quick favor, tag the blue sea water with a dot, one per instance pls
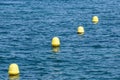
(27, 27)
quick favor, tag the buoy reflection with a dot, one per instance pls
(16, 77)
(55, 49)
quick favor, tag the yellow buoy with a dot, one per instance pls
(80, 30)
(55, 42)
(95, 19)
(13, 69)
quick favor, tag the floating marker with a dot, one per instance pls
(13, 69)
(95, 19)
(55, 42)
(80, 30)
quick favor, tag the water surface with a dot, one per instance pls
(27, 27)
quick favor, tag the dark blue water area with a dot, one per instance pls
(28, 26)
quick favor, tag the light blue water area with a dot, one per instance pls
(27, 27)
